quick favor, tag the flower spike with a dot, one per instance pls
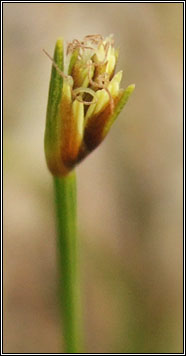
(84, 100)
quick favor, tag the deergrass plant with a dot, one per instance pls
(84, 100)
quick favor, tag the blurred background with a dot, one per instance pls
(129, 190)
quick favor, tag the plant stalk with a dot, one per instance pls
(66, 212)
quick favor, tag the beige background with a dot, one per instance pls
(129, 190)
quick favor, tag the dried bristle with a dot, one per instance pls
(84, 90)
(97, 39)
(101, 83)
(102, 80)
(56, 66)
(75, 44)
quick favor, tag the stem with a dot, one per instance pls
(65, 198)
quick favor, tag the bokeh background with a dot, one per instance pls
(129, 190)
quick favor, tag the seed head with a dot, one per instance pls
(84, 100)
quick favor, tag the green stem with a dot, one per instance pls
(65, 198)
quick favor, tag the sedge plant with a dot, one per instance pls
(84, 101)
